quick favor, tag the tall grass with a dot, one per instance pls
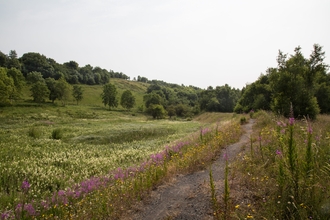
(289, 180)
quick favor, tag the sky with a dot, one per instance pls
(191, 42)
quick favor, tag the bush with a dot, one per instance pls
(57, 133)
(34, 132)
(243, 120)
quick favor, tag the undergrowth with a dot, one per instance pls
(284, 171)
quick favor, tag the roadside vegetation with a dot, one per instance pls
(284, 173)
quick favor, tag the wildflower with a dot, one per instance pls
(249, 216)
(291, 121)
(5, 215)
(30, 209)
(310, 129)
(236, 206)
(25, 186)
(278, 152)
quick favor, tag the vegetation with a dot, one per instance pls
(73, 161)
(284, 173)
(299, 82)
(57, 159)
(109, 95)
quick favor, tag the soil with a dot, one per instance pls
(189, 196)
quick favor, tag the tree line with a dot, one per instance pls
(49, 68)
(297, 87)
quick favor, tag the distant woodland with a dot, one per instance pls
(297, 86)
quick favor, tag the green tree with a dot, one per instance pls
(18, 80)
(77, 93)
(3, 59)
(12, 61)
(171, 111)
(53, 91)
(6, 86)
(127, 100)
(292, 83)
(33, 77)
(39, 91)
(152, 98)
(109, 95)
(36, 62)
(157, 111)
(63, 90)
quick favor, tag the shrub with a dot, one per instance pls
(34, 132)
(243, 120)
(57, 133)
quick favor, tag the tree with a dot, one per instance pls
(152, 98)
(171, 111)
(292, 84)
(63, 90)
(109, 95)
(6, 86)
(77, 93)
(3, 59)
(51, 85)
(36, 62)
(157, 111)
(127, 100)
(18, 80)
(39, 91)
(12, 61)
(33, 77)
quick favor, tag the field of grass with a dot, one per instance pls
(46, 150)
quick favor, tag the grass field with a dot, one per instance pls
(55, 148)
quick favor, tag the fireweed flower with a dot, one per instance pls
(25, 186)
(291, 121)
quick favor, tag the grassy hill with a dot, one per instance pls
(92, 93)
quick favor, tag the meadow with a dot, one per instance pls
(53, 158)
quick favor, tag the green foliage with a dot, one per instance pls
(109, 95)
(39, 91)
(35, 132)
(157, 111)
(63, 90)
(35, 62)
(220, 99)
(297, 81)
(127, 100)
(33, 77)
(286, 174)
(152, 99)
(77, 93)
(57, 133)
(6, 86)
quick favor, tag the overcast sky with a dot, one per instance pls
(201, 43)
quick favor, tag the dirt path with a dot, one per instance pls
(188, 196)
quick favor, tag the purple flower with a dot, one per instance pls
(5, 215)
(310, 129)
(30, 209)
(278, 152)
(291, 121)
(25, 186)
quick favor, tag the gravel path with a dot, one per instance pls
(188, 196)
